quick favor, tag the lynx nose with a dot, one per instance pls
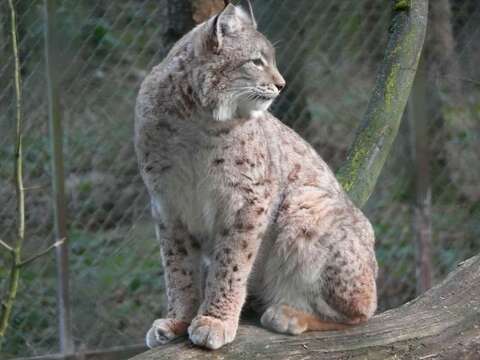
(280, 84)
(277, 79)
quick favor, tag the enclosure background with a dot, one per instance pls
(329, 52)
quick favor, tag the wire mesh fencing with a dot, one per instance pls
(329, 52)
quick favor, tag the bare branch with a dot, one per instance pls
(6, 246)
(41, 253)
(14, 277)
(35, 187)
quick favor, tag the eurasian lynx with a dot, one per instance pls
(241, 202)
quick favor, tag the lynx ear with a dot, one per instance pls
(228, 23)
(249, 7)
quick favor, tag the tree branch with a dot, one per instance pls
(366, 158)
(7, 305)
(442, 324)
(35, 187)
(6, 246)
(41, 253)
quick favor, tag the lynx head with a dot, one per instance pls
(240, 63)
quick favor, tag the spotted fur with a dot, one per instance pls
(241, 203)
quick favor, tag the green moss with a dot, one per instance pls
(402, 5)
(390, 87)
(359, 174)
(356, 161)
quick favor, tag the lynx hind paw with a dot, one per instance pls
(164, 331)
(211, 333)
(278, 318)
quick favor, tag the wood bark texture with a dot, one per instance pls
(444, 323)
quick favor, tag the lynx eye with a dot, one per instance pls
(258, 62)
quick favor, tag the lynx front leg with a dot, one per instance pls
(181, 261)
(225, 291)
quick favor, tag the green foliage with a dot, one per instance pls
(401, 5)
(131, 280)
(99, 33)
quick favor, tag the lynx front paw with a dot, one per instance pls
(283, 319)
(211, 333)
(164, 331)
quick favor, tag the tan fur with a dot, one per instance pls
(241, 203)
(286, 319)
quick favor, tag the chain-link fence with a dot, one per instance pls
(329, 52)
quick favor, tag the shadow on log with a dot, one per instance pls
(444, 323)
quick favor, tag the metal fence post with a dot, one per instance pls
(58, 182)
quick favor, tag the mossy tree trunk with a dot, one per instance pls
(380, 125)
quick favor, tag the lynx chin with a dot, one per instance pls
(241, 203)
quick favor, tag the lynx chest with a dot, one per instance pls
(209, 177)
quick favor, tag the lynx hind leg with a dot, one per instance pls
(288, 320)
(327, 245)
(350, 289)
(346, 301)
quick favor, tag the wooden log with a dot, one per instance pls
(444, 323)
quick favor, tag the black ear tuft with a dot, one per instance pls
(219, 27)
(216, 35)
